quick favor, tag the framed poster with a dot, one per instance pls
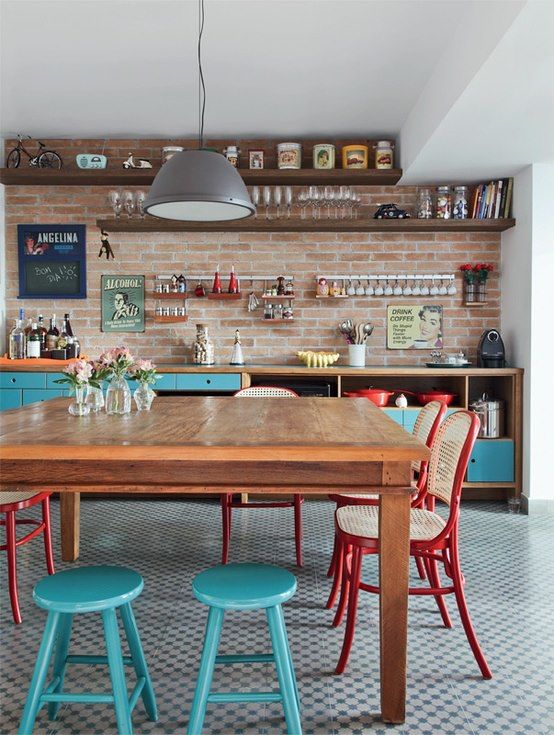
(52, 261)
(122, 300)
(414, 327)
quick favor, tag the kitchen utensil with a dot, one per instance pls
(378, 396)
(491, 415)
(368, 330)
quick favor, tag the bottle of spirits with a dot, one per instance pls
(42, 329)
(33, 341)
(52, 334)
(63, 339)
(28, 328)
(68, 325)
(17, 346)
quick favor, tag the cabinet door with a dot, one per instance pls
(492, 460)
(33, 396)
(22, 380)
(9, 398)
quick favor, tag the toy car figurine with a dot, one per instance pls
(390, 211)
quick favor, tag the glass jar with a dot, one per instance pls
(444, 203)
(288, 312)
(95, 399)
(118, 396)
(203, 349)
(289, 155)
(424, 204)
(232, 153)
(79, 407)
(268, 311)
(143, 396)
(460, 209)
(383, 154)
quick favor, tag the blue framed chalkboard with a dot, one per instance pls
(52, 261)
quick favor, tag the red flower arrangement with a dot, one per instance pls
(476, 272)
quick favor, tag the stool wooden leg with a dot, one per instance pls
(60, 664)
(39, 674)
(139, 661)
(284, 670)
(206, 670)
(12, 565)
(117, 673)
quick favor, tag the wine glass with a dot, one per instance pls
(278, 198)
(288, 200)
(267, 200)
(140, 196)
(256, 198)
(115, 202)
(128, 202)
(302, 201)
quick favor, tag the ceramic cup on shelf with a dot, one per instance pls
(356, 355)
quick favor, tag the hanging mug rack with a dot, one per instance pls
(414, 284)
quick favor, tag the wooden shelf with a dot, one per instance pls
(277, 298)
(253, 224)
(144, 177)
(171, 295)
(169, 319)
(277, 320)
(223, 296)
(341, 296)
(471, 304)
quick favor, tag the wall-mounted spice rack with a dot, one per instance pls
(164, 319)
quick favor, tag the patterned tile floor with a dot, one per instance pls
(508, 561)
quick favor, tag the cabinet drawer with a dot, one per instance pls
(492, 460)
(32, 396)
(207, 381)
(9, 399)
(22, 380)
(166, 382)
(51, 381)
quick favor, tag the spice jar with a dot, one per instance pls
(268, 311)
(289, 155)
(424, 204)
(288, 312)
(460, 209)
(444, 203)
(324, 156)
(203, 348)
(383, 154)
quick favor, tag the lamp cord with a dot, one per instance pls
(201, 85)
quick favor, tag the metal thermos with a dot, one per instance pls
(491, 414)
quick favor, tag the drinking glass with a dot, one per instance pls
(140, 196)
(255, 198)
(128, 202)
(388, 289)
(356, 201)
(278, 198)
(267, 200)
(416, 290)
(302, 201)
(115, 202)
(288, 200)
(379, 290)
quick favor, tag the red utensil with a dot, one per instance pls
(431, 395)
(378, 396)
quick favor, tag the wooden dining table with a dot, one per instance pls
(312, 446)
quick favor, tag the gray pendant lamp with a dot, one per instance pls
(201, 185)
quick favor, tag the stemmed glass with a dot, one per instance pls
(278, 198)
(115, 202)
(128, 202)
(267, 200)
(140, 196)
(288, 200)
(356, 201)
(256, 198)
(303, 202)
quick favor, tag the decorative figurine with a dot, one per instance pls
(141, 163)
(322, 287)
(233, 281)
(237, 358)
(216, 288)
(199, 290)
(106, 248)
(401, 401)
(232, 153)
(280, 285)
(390, 211)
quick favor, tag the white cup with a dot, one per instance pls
(356, 355)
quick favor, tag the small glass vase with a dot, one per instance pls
(482, 291)
(118, 396)
(95, 399)
(144, 395)
(79, 407)
(470, 293)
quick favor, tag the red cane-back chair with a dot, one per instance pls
(432, 538)
(427, 422)
(10, 503)
(229, 502)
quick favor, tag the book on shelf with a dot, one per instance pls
(493, 200)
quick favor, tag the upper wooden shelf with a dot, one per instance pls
(144, 177)
(260, 224)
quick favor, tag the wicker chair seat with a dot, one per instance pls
(363, 520)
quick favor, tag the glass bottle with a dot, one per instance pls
(424, 204)
(203, 350)
(52, 335)
(460, 209)
(68, 325)
(17, 346)
(444, 203)
(42, 329)
(63, 339)
(33, 342)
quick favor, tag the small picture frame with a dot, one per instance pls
(256, 159)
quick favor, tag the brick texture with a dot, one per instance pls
(298, 254)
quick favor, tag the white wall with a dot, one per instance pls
(3, 346)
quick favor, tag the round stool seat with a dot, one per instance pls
(244, 586)
(88, 589)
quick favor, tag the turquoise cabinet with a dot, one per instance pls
(33, 396)
(10, 398)
(22, 380)
(396, 414)
(228, 382)
(492, 460)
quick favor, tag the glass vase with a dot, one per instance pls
(118, 396)
(482, 291)
(95, 399)
(144, 395)
(79, 407)
(470, 293)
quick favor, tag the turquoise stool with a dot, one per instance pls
(84, 590)
(246, 587)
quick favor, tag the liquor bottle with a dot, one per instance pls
(33, 341)
(63, 339)
(216, 288)
(28, 328)
(17, 346)
(42, 329)
(68, 325)
(233, 281)
(52, 334)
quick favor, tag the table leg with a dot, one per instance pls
(394, 531)
(70, 517)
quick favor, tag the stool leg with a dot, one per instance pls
(225, 527)
(39, 674)
(298, 529)
(139, 661)
(284, 670)
(60, 656)
(12, 565)
(117, 674)
(293, 673)
(206, 670)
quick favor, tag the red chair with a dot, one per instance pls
(432, 538)
(228, 503)
(11, 503)
(428, 421)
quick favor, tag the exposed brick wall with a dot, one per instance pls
(299, 254)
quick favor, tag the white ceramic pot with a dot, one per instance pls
(356, 355)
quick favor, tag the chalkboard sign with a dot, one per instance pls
(52, 261)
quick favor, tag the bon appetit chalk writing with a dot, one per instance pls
(55, 274)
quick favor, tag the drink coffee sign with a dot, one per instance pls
(52, 261)
(122, 299)
(414, 327)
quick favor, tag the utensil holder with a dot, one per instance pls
(356, 355)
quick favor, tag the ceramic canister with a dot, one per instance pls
(289, 155)
(324, 155)
(354, 156)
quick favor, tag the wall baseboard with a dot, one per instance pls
(537, 506)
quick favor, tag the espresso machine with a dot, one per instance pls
(491, 352)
